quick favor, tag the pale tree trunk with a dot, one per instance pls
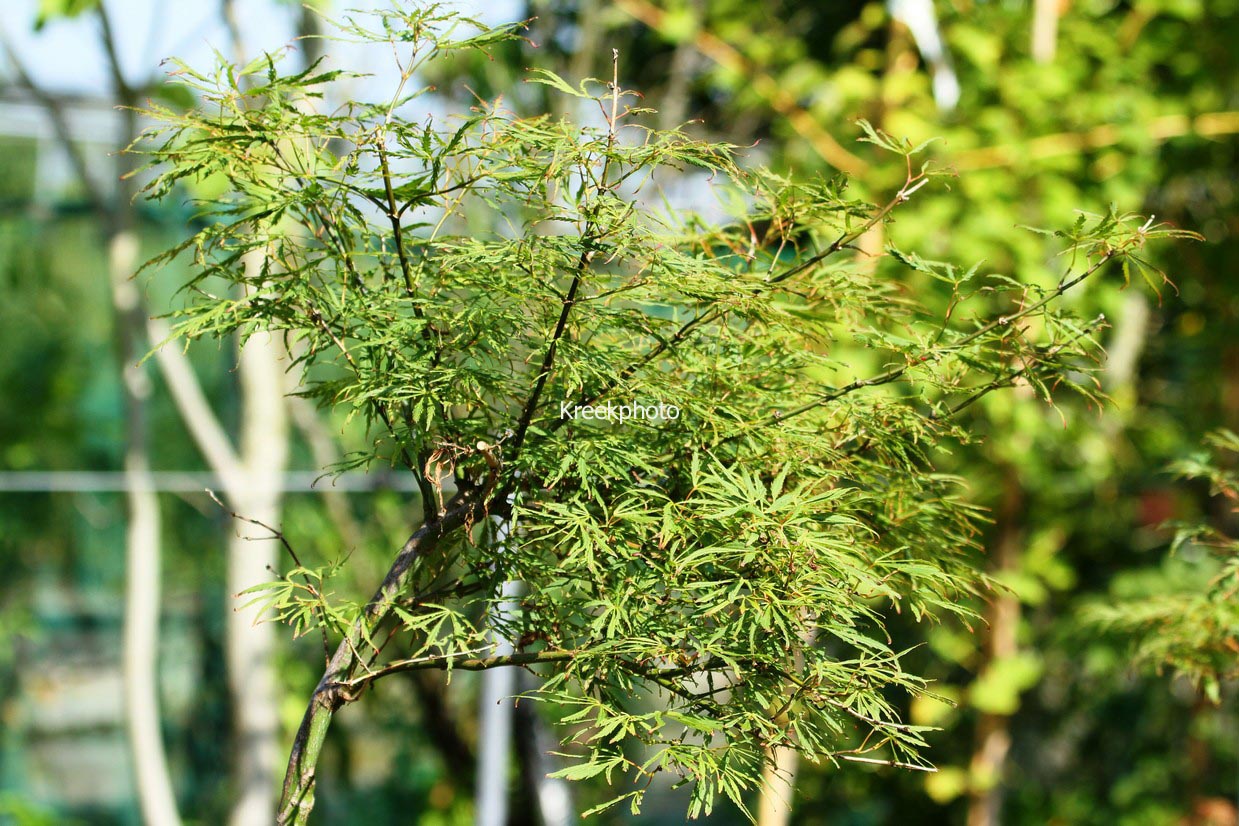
(252, 483)
(1125, 347)
(251, 561)
(1045, 29)
(252, 558)
(495, 714)
(494, 743)
(778, 776)
(551, 796)
(778, 788)
(140, 656)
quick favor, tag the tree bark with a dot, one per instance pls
(251, 561)
(778, 788)
(1045, 29)
(333, 690)
(140, 657)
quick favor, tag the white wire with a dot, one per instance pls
(182, 481)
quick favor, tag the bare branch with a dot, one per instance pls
(464, 661)
(191, 402)
(892, 763)
(276, 533)
(60, 125)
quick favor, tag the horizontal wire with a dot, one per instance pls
(179, 481)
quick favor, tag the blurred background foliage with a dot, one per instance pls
(1046, 716)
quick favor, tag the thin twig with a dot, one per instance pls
(463, 660)
(275, 533)
(893, 763)
(846, 238)
(896, 373)
(278, 534)
(587, 254)
(60, 125)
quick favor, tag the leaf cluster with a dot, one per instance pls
(1193, 633)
